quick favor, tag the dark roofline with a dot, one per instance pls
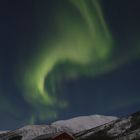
(51, 136)
(63, 132)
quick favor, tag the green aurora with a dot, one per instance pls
(80, 44)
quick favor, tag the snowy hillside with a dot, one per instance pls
(72, 126)
(95, 127)
(82, 123)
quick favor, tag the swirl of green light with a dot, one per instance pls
(84, 41)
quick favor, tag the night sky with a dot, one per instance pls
(66, 58)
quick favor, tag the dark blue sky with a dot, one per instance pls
(116, 92)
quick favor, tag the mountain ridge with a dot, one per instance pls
(126, 128)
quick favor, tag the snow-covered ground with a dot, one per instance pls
(78, 124)
(72, 126)
(83, 127)
(2, 132)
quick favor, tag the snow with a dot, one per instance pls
(72, 126)
(82, 123)
(2, 132)
(32, 131)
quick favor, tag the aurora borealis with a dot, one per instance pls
(51, 44)
(76, 44)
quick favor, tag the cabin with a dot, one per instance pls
(58, 136)
(63, 136)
